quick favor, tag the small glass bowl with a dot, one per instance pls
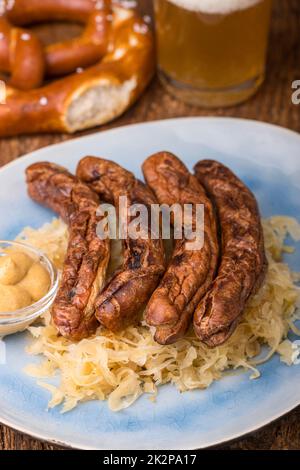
(19, 320)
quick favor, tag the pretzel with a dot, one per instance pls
(21, 53)
(66, 56)
(116, 46)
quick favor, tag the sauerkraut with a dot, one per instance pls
(121, 367)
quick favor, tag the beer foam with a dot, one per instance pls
(222, 7)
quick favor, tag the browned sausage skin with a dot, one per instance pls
(87, 256)
(190, 272)
(119, 304)
(243, 261)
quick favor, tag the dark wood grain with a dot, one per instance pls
(271, 104)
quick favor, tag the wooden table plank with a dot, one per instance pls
(272, 104)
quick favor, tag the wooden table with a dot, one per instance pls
(271, 104)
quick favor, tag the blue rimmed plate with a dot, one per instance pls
(267, 158)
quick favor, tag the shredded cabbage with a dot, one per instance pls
(120, 367)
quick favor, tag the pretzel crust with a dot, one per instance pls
(92, 97)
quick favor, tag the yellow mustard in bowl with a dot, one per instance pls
(28, 285)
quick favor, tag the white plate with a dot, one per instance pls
(267, 159)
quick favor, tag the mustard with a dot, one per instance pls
(23, 280)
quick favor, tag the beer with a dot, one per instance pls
(212, 52)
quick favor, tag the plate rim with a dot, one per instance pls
(234, 435)
(255, 122)
(76, 446)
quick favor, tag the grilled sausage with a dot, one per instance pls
(87, 256)
(129, 289)
(190, 272)
(243, 261)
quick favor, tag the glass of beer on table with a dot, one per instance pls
(212, 52)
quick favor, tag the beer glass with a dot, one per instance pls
(212, 52)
